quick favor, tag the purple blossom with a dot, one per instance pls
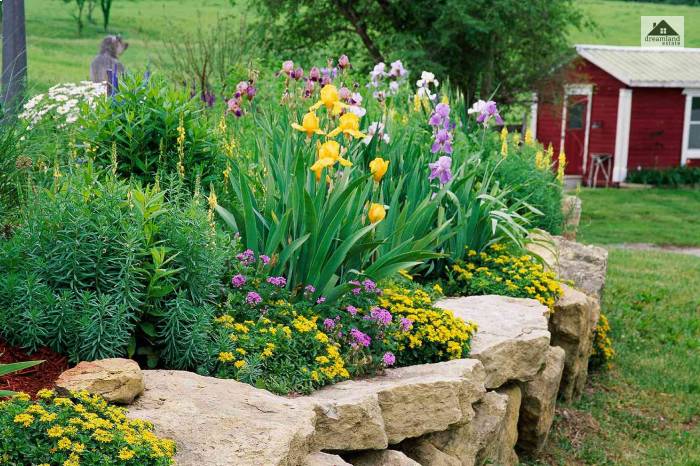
(277, 281)
(397, 69)
(298, 73)
(442, 169)
(265, 259)
(356, 291)
(443, 142)
(288, 67)
(381, 316)
(238, 280)
(360, 338)
(369, 285)
(344, 62)
(309, 88)
(352, 310)
(253, 298)
(406, 324)
(315, 74)
(440, 116)
(345, 94)
(329, 324)
(389, 359)
(321, 300)
(486, 111)
(247, 257)
(310, 289)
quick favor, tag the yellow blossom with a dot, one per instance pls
(561, 166)
(528, 137)
(226, 356)
(126, 454)
(309, 125)
(330, 99)
(64, 443)
(24, 419)
(376, 212)
(240, 363)
(378, 168)
(349, 125)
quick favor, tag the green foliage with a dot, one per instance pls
(150, 127)
(14, 367)
(603, 351)
(98, 268)
(499, 272)
(480, 45)
(80, 430)
(666, 177)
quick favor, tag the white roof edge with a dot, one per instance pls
(596, 62)
(670, 84)
(635, 48)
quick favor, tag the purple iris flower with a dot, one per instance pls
(441, 116)
(315, 74)
(486, 111)
(442, 169)
(443, 142)
(344, 62)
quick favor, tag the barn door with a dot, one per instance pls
(575, 133)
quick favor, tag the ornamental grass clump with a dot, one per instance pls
(78, 430)
(497, 271)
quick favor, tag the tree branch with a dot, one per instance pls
(358, 24)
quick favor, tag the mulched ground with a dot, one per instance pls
(34, 378)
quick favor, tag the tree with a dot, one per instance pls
(106, 6)
(78, 13)
(480, 44)
(14, 55)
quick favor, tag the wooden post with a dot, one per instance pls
(14, 55)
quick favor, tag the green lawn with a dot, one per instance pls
(646, 409)
(617, 23)
(58, 54)
(659, 216)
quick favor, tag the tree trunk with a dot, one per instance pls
(359, 25)
(14, 55)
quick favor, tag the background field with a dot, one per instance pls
(58, 54)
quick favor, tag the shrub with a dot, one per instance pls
(76, 430)
(670, 177)
(498, 272)
(99, 268)
(150, 127)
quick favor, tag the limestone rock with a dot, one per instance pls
(512, 337)
(324, 459)
(503, 451)
(572, 325)
(218, 422)
(586, 266)
(425, 453)
(382, 458)
(117, 380)
(538, 403)
(404, 402)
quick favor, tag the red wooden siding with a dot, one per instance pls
(656, 128)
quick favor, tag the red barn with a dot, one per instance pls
(624, 108)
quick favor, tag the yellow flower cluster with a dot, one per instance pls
(602, 351)
(498, 272)
(434, 334)
(81, 429)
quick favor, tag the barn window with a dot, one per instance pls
(694, 124)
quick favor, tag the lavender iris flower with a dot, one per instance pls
(442, 169)
(443, 142)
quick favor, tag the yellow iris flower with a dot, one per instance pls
(309, 125)
(349, 125)
(331, 99)
(376, 212)
(378, 168)
(328, 155)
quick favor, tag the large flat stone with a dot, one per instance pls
(117, 380)
(402, 403)
(218, 422)
(512, 337)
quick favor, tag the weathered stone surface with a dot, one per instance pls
(503, 449)
(117, 380)
(425, 453)
(571, 208)
(404, 402)
(512, 337)
(538, 403)
(382, 458)
(324, 459)
(584, 265)
(218, 422)
(572, 325)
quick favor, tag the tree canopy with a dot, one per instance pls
(480, 44)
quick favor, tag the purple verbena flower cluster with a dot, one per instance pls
(253, 298)
(359, 338)
(406, 324)
(277, 281)
(238, 281)
(389, 359)
(381, 316)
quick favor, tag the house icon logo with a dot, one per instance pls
(662, 31)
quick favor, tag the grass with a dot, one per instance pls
(618, 23)
(658, 216)
(58, 54)
(645, 410)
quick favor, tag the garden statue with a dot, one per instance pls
(110, 50)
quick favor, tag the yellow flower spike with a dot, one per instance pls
(376, 213)
(504, 147)
(349, 125)
(504, 134)
(378, 168)
(539, 160)
(416, 103)
(561, 166)
(528, 137)
(309, 125)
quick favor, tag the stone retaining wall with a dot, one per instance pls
(464, 412)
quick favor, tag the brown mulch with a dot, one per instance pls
(34, 378)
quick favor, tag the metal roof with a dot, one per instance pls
(646, 66)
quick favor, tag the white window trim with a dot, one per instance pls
(578, 89)
(687, 153)
(622, 135)
(533, 115)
